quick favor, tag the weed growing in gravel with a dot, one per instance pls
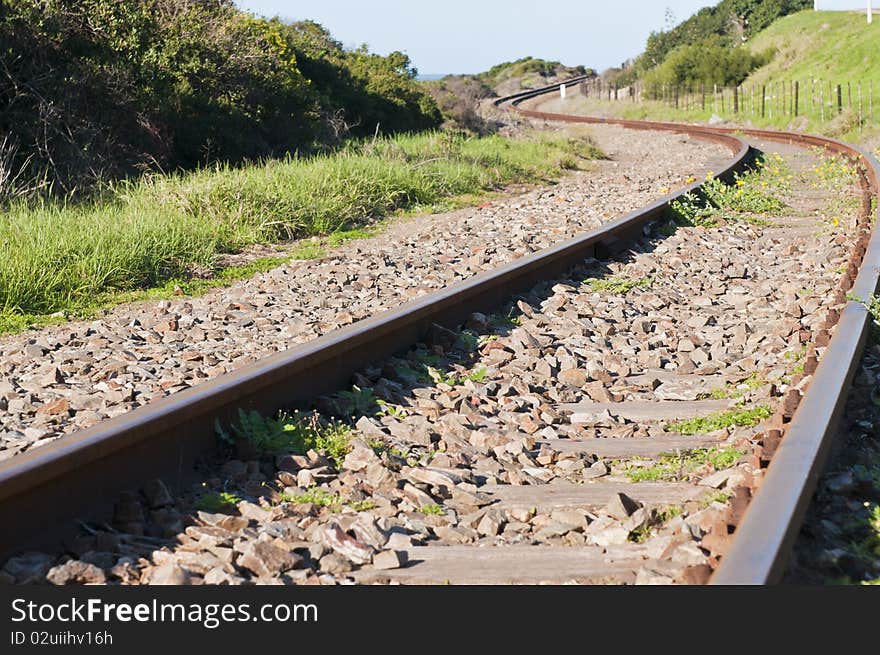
(216, 502)
(734, 417)
(389, 409)
(719, 496)
(751, 198)
(505, 321)
(618, 285)
(294, 434)
(862, 534)
(679, 466)
(835, 174)
(357, 402)
(754, 381)
(454, 378)
(432, 510)
(872, 304)
(658, 518)
(323, 498)
(470, 341)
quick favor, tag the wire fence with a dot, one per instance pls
(817, 99)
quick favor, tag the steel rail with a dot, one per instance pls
(759, 552)
(80, 475)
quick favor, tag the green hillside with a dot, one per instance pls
(834, 45)
(810, 52)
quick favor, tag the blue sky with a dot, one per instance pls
(469, 36)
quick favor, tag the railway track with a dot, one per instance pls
(506, 432)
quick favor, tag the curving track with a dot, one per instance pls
(767, 531)
(81, 476)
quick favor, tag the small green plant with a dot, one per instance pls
(314, 496)
(477, 375)
(617, 285)
(872, 304)
(285, 433)
(719, 496)
(389, 409)
(678, 466)
(658, 518)
(332, 501)
(751, 198)
(217, 501)
(692, 211)
(432, 510)
(439, 377)
(357, 402)
(734, 417)
(469, 340)
(754, 381)
(362, 505)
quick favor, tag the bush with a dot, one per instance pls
(708, 62)
(97, 89)
(459, 97)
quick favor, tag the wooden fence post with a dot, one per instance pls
(860, 105)
(839, 99)
(763, 100)
(796, 97)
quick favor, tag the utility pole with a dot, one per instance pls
(870, 13)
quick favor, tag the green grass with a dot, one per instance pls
(619, 285)
(834, 45)
(734, 417)
(11, 322)
(145, 234)
(678, 466)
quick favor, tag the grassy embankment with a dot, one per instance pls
(142, 239)
(810, 47)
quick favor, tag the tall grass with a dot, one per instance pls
(57, 257)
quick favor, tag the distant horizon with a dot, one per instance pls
(469, 37)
